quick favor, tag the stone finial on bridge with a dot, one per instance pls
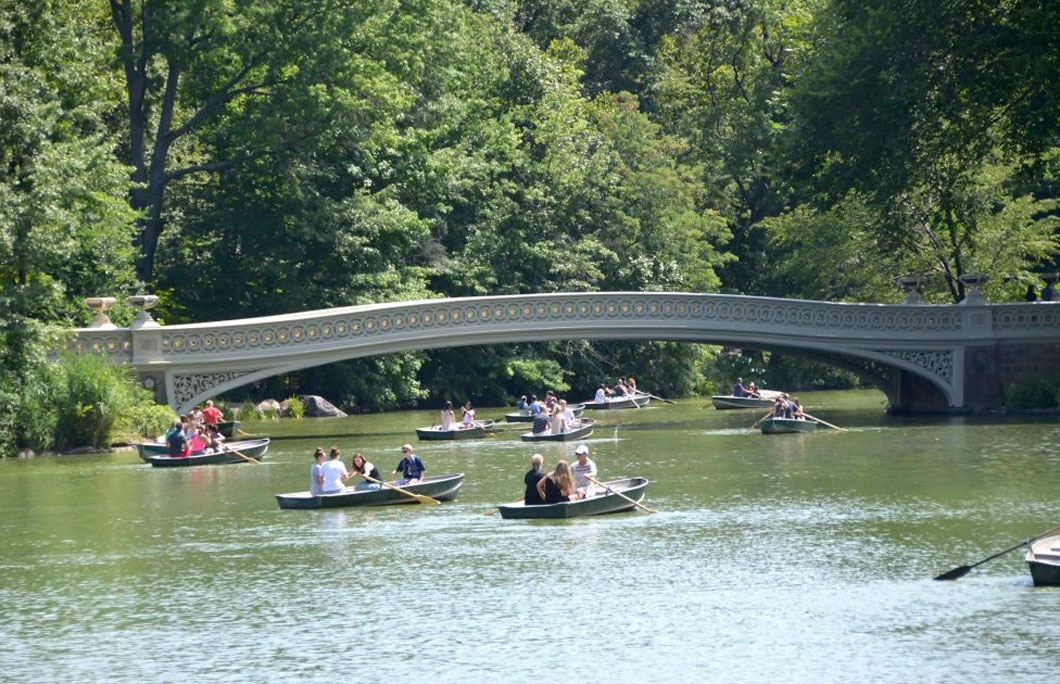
(1049, 293)
(143, 303)
(912, 285)
(973, 281)
(99, 305)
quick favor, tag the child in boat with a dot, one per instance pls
(366, 470)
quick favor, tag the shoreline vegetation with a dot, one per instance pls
(345, 153)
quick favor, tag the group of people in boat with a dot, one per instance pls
(566, 482)
(328, 474)
(551, 416)
(788, 407)
(624, 386)
(196, 432)
(750, 391)
(447, 420)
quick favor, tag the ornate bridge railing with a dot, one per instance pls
(189, 363)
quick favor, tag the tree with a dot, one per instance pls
(65, 229)
(191, 67)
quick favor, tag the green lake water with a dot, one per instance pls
(784, 558)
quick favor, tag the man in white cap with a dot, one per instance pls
(410, 466)
(583, 469)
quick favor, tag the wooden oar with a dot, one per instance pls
(495, 509)
(635, 503)
(963, 570)
(241, 455)
(824, 422)
(419, 497)
(655, 396)
(755, 424)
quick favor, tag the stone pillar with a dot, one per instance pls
(147, 346)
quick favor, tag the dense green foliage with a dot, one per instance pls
(245, 158)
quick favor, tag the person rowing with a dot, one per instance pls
(469, 416)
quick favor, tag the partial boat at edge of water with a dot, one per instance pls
(1043, 560)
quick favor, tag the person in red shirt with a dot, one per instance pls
(211, 415)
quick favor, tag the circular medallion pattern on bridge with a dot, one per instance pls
(592, 308)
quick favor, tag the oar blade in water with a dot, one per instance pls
(956, 573)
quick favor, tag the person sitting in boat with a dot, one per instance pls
(335, 473)
(631, 385)
(448, 417)
(752, 390)
(536, 406)
(557, 423)
(796, 409)
(568, 413)
(621, 389)
(778, 407)
(531, 497)
(524, 406)
(469, 416)
(601, 394)
(558, 486)
(738, 388)
(316, 473)
(410, 466)
(540, 423)
(583, 469)
(213, 440)
(211, 415)
(550, 399)
(176, 440)
(367, 471)
(197, 443)
(195, 416)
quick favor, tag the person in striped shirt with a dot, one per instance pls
(583, 469)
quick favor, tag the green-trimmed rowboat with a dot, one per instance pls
(728, 401)
(608, 502)
(147, 449)
(517, 417)
(228, 428)
(254, 448)
(441, 487)
(1043, 560)
(435, 433)
(584, 429)
(626, 401)
(777, 426)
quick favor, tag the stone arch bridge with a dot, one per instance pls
(926, 358)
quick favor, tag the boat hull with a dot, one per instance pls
(578, 410)
(584, 430)
(228, 428)
(598, 505)
(148, 449)
(253, 448)
(778, 426)
(724, 402)
(435, 434)
(626, 402)
(1043, 560)
(440, 487)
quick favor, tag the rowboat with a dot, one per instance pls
(147, 449)
(440, 487)
(436, 433)
(776, 426)
(608, 502)
(519, 417)
(728, 401)
(584, 429)
(1043, 559)
(626, 401)
(253, 448)
(228, 428)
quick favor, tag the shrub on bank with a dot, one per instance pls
(1034, 392)
(295, 407)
